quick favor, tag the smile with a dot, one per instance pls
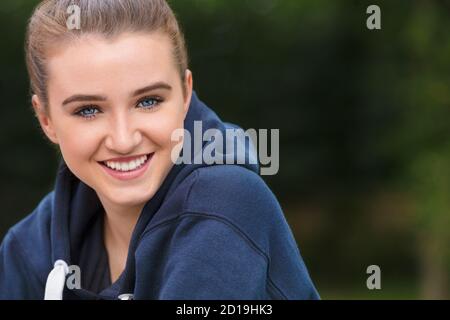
(127, 168)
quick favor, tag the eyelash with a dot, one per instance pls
(78, 113)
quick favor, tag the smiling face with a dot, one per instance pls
(116, 103)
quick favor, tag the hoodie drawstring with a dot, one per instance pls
(56, 281)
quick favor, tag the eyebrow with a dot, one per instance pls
(88, 97)
(154, 86)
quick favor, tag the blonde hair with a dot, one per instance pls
(48, 27)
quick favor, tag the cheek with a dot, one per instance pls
(77, 143)
(161, 128)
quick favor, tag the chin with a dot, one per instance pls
(130, 198)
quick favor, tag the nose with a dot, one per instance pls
(123, 136)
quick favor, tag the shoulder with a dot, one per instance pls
(25, 254)
(236, 197)
(214, 187)
(30, 237)
(240, 198)
(37, 222)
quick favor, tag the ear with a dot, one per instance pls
(44, 119)
(188, 83)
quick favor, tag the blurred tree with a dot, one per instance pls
(423, 138)
(431, 187)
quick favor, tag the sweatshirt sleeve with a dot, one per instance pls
(208, 260)
(17, 282)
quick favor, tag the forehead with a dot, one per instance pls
(95, 63)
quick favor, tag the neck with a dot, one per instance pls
(119, 223)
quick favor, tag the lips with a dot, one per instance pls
(128, 167)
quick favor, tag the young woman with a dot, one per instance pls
(123, 217)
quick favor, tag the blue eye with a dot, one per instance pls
(149, 103)
(87, 112)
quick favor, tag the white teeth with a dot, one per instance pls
(126, 166)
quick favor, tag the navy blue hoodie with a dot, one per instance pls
(210, 232)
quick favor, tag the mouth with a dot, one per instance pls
(127, 168)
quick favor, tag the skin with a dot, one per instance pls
(119, 126)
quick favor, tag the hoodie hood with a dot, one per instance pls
(76, 206)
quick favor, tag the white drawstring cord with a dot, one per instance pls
(56, 281)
